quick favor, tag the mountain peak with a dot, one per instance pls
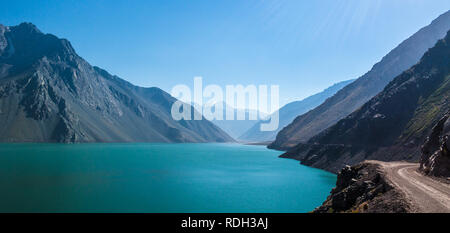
(50, 94)
(27, 27)
(27, 45)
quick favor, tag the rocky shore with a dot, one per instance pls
(364, 188)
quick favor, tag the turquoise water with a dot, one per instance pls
(156, 178)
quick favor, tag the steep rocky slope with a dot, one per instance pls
(435, 159)
(364, 88)
(288, 113)
(50, 94)
(391, 126)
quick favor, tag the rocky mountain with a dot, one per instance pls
(391, 126)
(50, 94)
(288, 113)
(435, 159)
(364, 88)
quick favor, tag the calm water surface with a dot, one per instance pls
(156, 178)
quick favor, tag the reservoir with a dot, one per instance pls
(156, 178)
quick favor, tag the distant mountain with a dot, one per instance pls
(391, 126)
(50, 94)
(235, 128)
(364, 88)
(289, 112)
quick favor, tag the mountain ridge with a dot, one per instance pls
(353, 96)
(393, 125)
(48, 93)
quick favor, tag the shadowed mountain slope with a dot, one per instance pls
(364, 88)
(391, 126)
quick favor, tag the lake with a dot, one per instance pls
(153, 177)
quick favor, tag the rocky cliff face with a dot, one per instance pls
(356, 94)
(435, 159)
(363, 188)
(391, 126)
(50, 94)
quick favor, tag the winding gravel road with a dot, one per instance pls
(426, 195)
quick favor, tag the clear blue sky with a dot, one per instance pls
(303, 46)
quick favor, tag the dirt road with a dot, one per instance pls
(426, 195)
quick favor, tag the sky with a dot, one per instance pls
(302, 46)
